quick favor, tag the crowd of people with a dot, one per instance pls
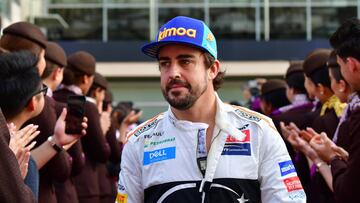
(39, 161)
(298, 143)
(315, 108)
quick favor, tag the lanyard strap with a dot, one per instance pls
(201, 154)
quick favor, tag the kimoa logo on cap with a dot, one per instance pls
(180, 31)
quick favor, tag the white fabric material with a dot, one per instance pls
(165, 131)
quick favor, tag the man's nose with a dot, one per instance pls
(174, 71)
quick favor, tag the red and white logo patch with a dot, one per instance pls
(293, 183)
(231, 139)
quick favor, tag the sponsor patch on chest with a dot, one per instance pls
(234, 146)
(159, 155)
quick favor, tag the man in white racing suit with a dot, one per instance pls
(202, 150)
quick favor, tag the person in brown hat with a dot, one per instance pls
(300, 105)
(323, 119)
(25, 36)
(72, 162)
(345, 169)
(25, 100)
(317, 77)
(58, 170)
(97, 90)
(273, 96)
(96, 94)
(78, 78)
(55, 63)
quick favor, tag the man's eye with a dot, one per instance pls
(185, 62)
(164, 64)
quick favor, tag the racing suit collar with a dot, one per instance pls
(221, 121)
(184, 124)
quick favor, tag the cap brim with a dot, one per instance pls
(152, 49)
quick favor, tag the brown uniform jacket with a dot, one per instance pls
(320, 192)
(65, 190)
(12, 186)
(95, 148)
(58, 168)
(107, 184)
(346, 176)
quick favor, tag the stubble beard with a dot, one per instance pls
(183, 101)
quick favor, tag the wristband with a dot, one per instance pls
(54, 145)
(319, 164)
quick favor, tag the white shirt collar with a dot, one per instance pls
(72, 88)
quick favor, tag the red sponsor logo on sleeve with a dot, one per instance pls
(293, 183)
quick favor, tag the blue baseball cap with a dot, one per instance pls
(183, 30)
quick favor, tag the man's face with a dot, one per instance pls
(184, 77)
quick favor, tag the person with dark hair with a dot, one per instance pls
(251, 93)
(21, 85)
(297, 95)
(338, 84)
(344, 158)
(96, 95)
(25, 36)
(56, 184)
(200, 149)
(107, 103)
(55, 57)
(78, 78)
(12, 187)
(300, 105)
(273, 97)
(323, 119)
(58, 169)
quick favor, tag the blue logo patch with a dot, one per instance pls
(237, 149)
(159, 155)
(286, 167)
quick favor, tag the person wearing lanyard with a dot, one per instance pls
(200, 149)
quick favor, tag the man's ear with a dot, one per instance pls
(354, 65)
(32, 103)
(214, 69)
